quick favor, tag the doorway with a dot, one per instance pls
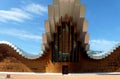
(64, 69)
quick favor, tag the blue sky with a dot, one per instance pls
(22, 23)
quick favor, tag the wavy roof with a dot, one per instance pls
(20, 51)
(101, 55)
(96, 55)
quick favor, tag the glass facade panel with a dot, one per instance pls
(64, 45)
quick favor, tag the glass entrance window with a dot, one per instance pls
(64, 45)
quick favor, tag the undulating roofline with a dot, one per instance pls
(102, 55)
(20, 51)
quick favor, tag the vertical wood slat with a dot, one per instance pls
(82, 11)
(52, 50)
(85, 26)
(47, 26)
(51, 17)
(77, 1)
(71, 7)
(57, 13)
(76, 12)
(62, 7)
(66, 8)
(76, 49)
(87, 47)
(56, 1)
(43, 47)
(72, 34)
(45, 40)
(49, 38)
(80, 24)
(50, 11)
(44, 37)
(58, 40)
(52, 25)
(86, 40)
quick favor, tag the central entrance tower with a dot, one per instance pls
(66, 32)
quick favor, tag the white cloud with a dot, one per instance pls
(15, 14)
(20, 34)
(22, 14)
(36, 8)
(102, 45)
